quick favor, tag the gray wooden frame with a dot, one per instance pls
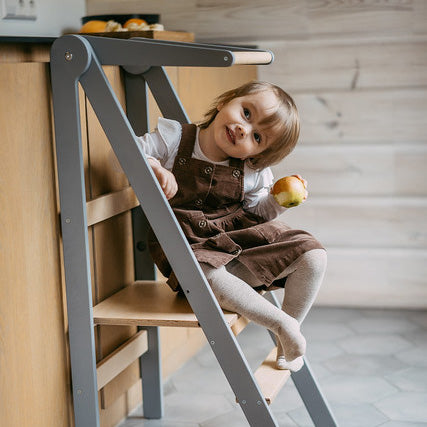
(78, 59)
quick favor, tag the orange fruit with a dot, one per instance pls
(136, 21)
(93, 27)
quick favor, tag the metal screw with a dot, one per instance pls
(225, 58)
(68, 56)
(67, 220)
(141, 246)
(258, 402)
(79, 391)
(243, 402)
(213, 342)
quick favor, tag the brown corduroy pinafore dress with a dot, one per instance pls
(208, 206)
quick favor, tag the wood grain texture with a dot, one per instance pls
(374, 116)
(109, 205)
(269, 379)
(117, 361)
(363, 221)
(235, 20)
(24, 52)
(148, 303)
(343, 65)
(34, 381)
(359, 169)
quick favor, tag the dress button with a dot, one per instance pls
(199, 202)
(208, 170)
(203, 223)
(182, 161)
(236, 173)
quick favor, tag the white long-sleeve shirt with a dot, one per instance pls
(163, 143)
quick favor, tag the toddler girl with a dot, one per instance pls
(217, 178)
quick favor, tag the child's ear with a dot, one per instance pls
(219, 106)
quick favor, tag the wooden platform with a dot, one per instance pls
(270, 379)
(149, 303)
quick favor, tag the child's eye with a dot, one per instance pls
(247, 113)
(257, 137)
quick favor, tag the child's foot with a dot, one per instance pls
(291, 339)
(295, 365)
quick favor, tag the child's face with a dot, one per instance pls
(236, 130)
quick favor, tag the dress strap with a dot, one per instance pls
(188, 139)
(237, 163)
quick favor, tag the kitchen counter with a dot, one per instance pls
(37, 49)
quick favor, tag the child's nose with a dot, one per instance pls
(241, 131)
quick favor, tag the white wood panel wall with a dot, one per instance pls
(358, 72)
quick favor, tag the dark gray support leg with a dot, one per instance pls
(165, 95)
(74, 230)
(151, 375)
(308, 388)
(150, 363)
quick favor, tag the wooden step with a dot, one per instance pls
(269, 379)
(149, 303)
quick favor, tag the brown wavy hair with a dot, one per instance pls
(285, 118)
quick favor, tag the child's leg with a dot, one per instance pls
(304, 277)
(234, 294)
(303, 280)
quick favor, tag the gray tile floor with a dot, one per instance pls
(370, 364)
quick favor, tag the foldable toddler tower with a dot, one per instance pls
(75, 59)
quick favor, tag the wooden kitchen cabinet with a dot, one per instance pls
(35, 372)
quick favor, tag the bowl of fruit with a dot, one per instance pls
(120, 23)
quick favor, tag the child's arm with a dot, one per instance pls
(258, 197)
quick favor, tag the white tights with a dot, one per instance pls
(232, 287)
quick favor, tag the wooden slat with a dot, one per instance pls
(363, 117)
(363, 221)
(363, 170)
(148, 303)
(327, 65)
(241, 58)
(109, 205)
(109, 367)
(270, 379)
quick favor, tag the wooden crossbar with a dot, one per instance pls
(246, 58)
(109, 205)
(121, 358)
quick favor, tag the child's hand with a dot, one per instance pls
(166, 178)
(305, 185)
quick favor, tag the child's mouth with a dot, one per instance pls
(230, 134)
